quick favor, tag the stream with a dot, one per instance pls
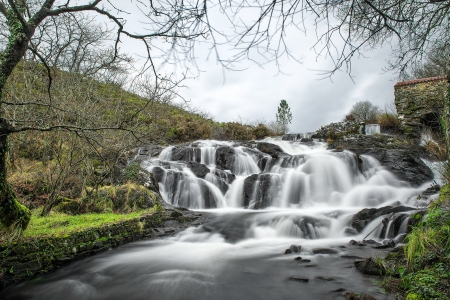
(300, 197)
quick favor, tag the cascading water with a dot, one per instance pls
(301, 179)
(300, 194)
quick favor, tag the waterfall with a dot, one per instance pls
(292, 177)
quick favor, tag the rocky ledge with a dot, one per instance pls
(399, 155)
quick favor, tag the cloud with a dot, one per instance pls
(255, 92)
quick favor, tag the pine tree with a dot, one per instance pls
(284, 116)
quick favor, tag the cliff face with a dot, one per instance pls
(420, 102)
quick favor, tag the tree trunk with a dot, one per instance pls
(12, 213)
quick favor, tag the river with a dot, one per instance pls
(305, 198)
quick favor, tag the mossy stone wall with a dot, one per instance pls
(23, 259)
(420, 102)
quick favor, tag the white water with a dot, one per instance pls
(310, 197)
(312, 193)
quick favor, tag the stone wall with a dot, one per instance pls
(420, 102)
(23, 259)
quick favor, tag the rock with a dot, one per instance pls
(324, 251)
(385, 245)
(200, 170)
(261, 193)
(300, 279)
(302, 260)
(357, 296)
(295, 249)
(271, 149)
(353, 243)
(365, 216)
(298, 258)
(333, 129)
(291, 137)
(306, 140)
(325, 278)
(351, 256)
(225, 158)
(288, 251)
(370, 266)
(399, 156)
(350, 231)
(186, 154)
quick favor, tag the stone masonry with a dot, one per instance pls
(419, 103)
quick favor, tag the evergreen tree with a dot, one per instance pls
(284, 116)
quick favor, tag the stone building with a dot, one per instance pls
(420, 102)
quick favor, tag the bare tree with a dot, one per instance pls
(41, 29)
(364, 111)
(435, 63)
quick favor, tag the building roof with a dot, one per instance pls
(421, 80)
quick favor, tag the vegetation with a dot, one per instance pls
(363, 111)
(424, 266)
(284, 116)
(60, 224)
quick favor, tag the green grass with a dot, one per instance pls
(59, 224)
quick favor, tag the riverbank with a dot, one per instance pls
(52, 243)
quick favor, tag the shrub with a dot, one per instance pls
(388, 122)
(261, 131)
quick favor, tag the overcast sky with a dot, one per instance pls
(255, 93)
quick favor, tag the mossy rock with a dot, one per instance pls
(412, 296)
(68, 206)
(125, 198)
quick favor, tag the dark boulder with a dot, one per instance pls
(399, 156)
(365, 216)
(291, 137)
(186, 154)
(225, 157)
(299, 279)
(370, 267)
(256, 187)
(271, 149)
(324, 251)
(295, 248)
(200, 170)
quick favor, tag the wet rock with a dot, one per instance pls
(306, 140)
(200, 170)
(385, 245)
(225, 176)
(288, 251)
(324, 251)
(357, 296)
(399, 156)
(303, 260)
(350, 231)
(295, 249)
(291, 137)
(225, 157)
(351, 256)
(353, 243)
(309, 266)
(365, 216)
(431, 190)
(271, 149)
(370, 266)
(257, 187)
(298, 278)
(324, 278)
(298, 258)
(186, 154)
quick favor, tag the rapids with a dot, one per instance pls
(259, 205)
